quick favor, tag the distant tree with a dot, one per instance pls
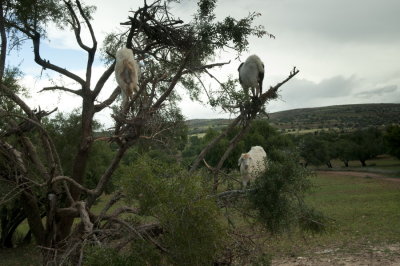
(314, 150)
(345, 149)
(368, 144)
(392, 140)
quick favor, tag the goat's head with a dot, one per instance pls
(244, 161)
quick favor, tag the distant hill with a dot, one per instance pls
(310, 119)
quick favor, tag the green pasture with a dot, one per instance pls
(363, 212)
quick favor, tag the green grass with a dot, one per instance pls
(363, 212)
(26, 255)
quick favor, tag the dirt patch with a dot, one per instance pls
(382, 255)
(361, 174)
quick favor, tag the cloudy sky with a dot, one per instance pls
(348, 51)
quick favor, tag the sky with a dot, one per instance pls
(347, 51)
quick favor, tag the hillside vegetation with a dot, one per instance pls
(351, 116)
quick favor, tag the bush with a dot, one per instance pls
(279, 194)
(193, 231)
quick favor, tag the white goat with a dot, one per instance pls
(251, 75)
(252, 164)
(126, 73)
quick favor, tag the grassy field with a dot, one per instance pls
(363, 212)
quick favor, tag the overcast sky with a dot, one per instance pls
(346, 51)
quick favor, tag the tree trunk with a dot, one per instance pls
(10, 220)
(346, 163)
(363, 163)
(80, 163)
(329, 164)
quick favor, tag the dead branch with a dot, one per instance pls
(114, 199)
(106, 176)
(71, 181)
(109, 101)
(85, 219)
(77, 92)
(102, 80)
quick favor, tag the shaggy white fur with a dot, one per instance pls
(251, 75)
(126, 73)
(252, 164)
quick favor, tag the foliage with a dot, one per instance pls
(314, 150)
(320, 148)
(38, 15)
(260, 134)
(65, 132)
(10, 78)
(141, 253)
(392, 140)
(369, 144)
(345, 149)
(179, 202)
(278, 197)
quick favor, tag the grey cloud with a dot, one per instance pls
(334, 87)
(340, 20)
(377, 92)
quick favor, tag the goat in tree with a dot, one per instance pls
(252, 164)
(126, 73)
(251, 75)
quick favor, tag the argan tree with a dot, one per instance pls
(174, 52)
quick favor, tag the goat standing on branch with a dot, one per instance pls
(127, 74)
(251, 75)
(252, 164)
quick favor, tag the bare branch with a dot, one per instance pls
(272, 92)
(102, 80)
(104, 179)
(85, 219)
(204, 67)
(3, 50)
(73, 182)
(10, 94)
(172, 84)
(109, 101)
(206, 149)
(46, 64)
(115, 198)
(77, 92)
(75, 23)
(89, 25)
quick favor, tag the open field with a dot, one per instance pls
(365, 224)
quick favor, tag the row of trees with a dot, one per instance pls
(321, 147)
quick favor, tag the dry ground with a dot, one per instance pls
(382, 255)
